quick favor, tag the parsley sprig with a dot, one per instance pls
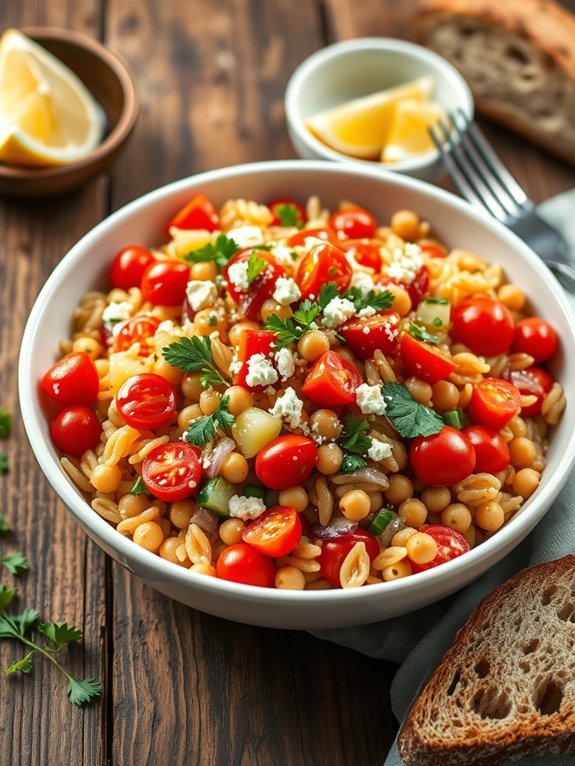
(194, 355)
(291, 329)
(255, 267)
(409, 417)
(289, 215)
(203, 430)
(420, 333)
(3, 462)
(139, 488)
(375, 300)
(355, 443)
(220, 251)
(16, 563)
(5, 424)
(4, 526)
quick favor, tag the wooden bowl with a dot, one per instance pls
(107, 78)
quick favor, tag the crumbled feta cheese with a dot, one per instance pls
(166, 326)
(116, 312)
(289, 407)
(407, 261)
(370, 400)
(337, 311)
(285, 363)
(201, 293)
(238, 275)
(286, 291)
(235, 364)
(261, 371)
(284, 255)
(246, 508)
(246, 236)
(364, 283)
(368, 311)
(378, 450)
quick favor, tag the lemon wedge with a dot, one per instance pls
(409, 132)
(47, 115)
(359, 127)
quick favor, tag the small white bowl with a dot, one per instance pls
(454, 221)
(356, 68)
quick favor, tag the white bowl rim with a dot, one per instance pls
(394, 45)
(163, 569)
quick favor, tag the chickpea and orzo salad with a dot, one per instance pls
(289, 398)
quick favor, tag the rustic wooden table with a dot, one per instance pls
(180, 687)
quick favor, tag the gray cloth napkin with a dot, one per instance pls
(419, 640)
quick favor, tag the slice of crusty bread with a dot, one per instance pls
(518, 57)
(506, 688)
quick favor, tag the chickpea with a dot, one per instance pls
(525, 482)
(295, 497)
(376, 501)
(400, 489)
(355, 504)
(405, 223)
(149, 535)
(88, 345)
(191, 386)
(204, 272)
(401, 300)
(400, 538)
(325, 423)
(235, 468)
(419, 389)
(237, 329)
(489, 516)
(290, 578)
(208, 321)
(436, 498)
(181, 513)
(106, 478)
(312, 345)
(240, 399)
(187, 414)
(413, 512)
(522, 452)
(209, 400)
(421, 548)
(272, 308)
(457, 516)
(444, 396)
(168, 549)
(231, 531)
(329, 457)
(132, 505)
(172, 374)
(396, 571)
(512, 296)
(165, 525)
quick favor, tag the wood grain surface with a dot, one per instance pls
(180, 687)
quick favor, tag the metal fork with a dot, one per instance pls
(485, 182)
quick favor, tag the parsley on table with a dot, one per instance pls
(16, 563)
(289, 215)
(410, 418)
(355, 443)
(139, 488)
(194, 355)
(4, 526)
(375, 300)
(220, 252)
(3, 463)
(5, 424)
(419, 332)
(255, 267)
(203, 430)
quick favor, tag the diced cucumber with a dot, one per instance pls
(380, 521)
(434, 314)
(215, 496)
(255, 490)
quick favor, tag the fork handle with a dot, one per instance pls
(564, 273)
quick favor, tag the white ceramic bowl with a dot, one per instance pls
(143, 221)
(357, 68)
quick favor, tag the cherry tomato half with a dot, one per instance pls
(286, 461)
(332, 381)
(333, 552)
(164, 283)
(146, 401)
(366, 252)
(536, 337)
(72, 380)
(422, 360)
(284, 210)
(242, 563)
(354, 223)
(531, 382)
(251, 299)
(431, 248)
(275, 533)
(197, 214)
(365, 336)
(417, 289)
(493, 403)
(323, 263)
(75, 430)
(491, 449)
(484, 325)
(444, 458)
(450, 545)
(253, 342)
(129, 265)
(137, 329)
(307, 238)
(172, 471)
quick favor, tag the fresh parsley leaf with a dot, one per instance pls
(203, 430)
(4, 526)
(327, 293)
(285, 330)
(352, 463)
(3, 463)
(7, 593)
(194, 355)
(255, 267)
(437, 301)
(419, 332)
(289, 215)
(410, 418)
(223, 416)
(375, 300)
(16, 563)
(220, 252)
(82, 692)
(23, 666)
(60, 633)
(455, 418)
(354, 437)
(306, 313)
(139, 488)
(5, 424)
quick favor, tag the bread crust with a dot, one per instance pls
(491, 739)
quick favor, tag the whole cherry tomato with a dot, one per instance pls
(354, 223)
(72, 380)
(146, 401)
(251, 298)
(138, 329)
(484, 325)
(307, 238)
(286, 461)
(287, 212)
(491, 449)
(365, 336)
(533, 381)
(444, 458)
(450, 545)
(493, 403)
(172, 471)
(253, 342)
(333, 552)
(164, 282)
(332, 381)
(75, 430)
(276, 532)
(129, 265)
(242, 563)
(366, 252)
(422, 360)
(323, 263)
(536, 337)
(197, 214)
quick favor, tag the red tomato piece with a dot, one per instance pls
(422, 360)
(307, 237)
(146, 401)
(323, 263)
(275, 533)
(484, 325)
(250, 300)
(493, 403)
(365, 336)
(297, 210)
(333, 552)
(253, 342)
(417, 289)
(450, 545)
(533, 381)
(242, 563)
(366, 252)
(72, 380)
(137, 329)
(332, 381)
(536, 337)
(75, 430)
(491, 449)
(354, 223)
(432, 249)
(164, 282)
(172, 471)
(444, 458)
(129, 265)
(197, 214)
(286, 461)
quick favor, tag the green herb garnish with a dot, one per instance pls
(327, 293)
(5, 424)
(289, 215)
(455, 418)
(351, 463)
(291, 329)
(255, 267)
(4, 526)
(409, 417)
(377, 301)
(194, 355)
(220, 252)
(16, 563)
(3, 463)
(203, 430)
(355, 443)
(420, 333)
(139, 488)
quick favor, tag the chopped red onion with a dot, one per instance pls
(337, 527)
(205, 520)
(371, 475)
(213, 457)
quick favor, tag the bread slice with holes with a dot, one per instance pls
(518, 57)
(506, 688)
